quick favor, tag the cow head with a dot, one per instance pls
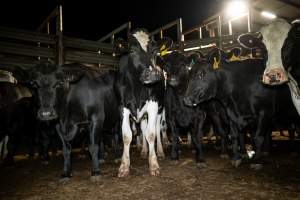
(271, 42)
(143, 53)
(202, 83)
(51, 82)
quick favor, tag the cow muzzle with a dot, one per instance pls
(276, 76)
(47, 114)
(189, 101)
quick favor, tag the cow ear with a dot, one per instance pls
(16, 73)
(216, 57)
(251, 41)
(163, 45)
(71, 73)
(234, 54)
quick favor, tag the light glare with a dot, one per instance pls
(236, 8)
(268, 14)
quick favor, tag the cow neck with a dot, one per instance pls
(220, 84)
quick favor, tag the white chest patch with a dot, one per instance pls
(143, 38)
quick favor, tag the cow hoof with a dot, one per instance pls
(95, 179)
(117, 160)
(166, 142)
(236, 163)
(123, 173)
(64, 180)
(101, 161)
(82, 156)
(45, 162)
(224, 156)
(244, 156)
(175, 162)
(201, 165)
(265, 154)
(161, 156)
(154, 172)
(144, 154)
(256, 166)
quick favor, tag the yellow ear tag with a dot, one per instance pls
(216, 64)
(234, 58)
(163, 50)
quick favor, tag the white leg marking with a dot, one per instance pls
(152, 110)
(127, 137)
(160, 150)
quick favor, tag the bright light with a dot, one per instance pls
(237, 8)
(268, 15)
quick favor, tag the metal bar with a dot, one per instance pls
(59, 33)
(179, 34)
(220, 31)
(249, 20)
(127, 25)
(26, 50)
(230, 27)
(53, 14)
(23, 35)
(200, 33)
(87, 45)
(161, 34)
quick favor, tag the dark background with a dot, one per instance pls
(93, 19)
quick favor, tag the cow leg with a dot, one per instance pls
(197, 136)
(175, 142)
(262, 127)
(67, 148)
(144, 151)
(95, 137)
(236, 160)
(152, 111)
(160, 150)
(101, 152)
(44, 147)
(127, 137)
(164, 128)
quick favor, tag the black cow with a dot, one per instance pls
(78, 96)
(17, 118)
(138, 99)
(249, 103)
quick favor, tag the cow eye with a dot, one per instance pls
(34, 84)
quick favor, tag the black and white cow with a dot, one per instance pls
(139, 99)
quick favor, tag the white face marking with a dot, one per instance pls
(143, 38)
(273, 37)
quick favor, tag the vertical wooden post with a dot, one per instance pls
(179, 34)
(59, 35)
(220, 32)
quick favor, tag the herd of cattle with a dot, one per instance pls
(151, 92)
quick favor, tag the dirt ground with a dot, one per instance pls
(279, 179)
